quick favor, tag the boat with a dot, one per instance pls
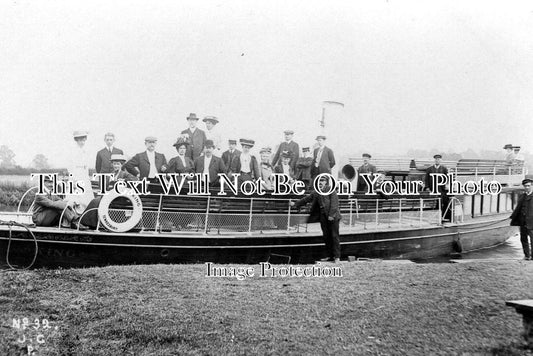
(162, 228)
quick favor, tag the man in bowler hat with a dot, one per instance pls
(195, 137)
(523, 216)
(323, 156)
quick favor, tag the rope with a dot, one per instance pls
(36, 251)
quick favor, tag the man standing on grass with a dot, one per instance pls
(325, 209)
(523, 216)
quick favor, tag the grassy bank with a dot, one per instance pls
(12, 191)
(376, 308)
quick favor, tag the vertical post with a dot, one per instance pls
(158, 212)
(250, 217)
(476, 174)
(400, 213)
(377, 212)
(421, 212)
(351, 213)
(207, 214)
(440, 211)
(289, 217)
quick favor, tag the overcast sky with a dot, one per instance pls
(439, 74)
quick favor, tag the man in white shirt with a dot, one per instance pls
(209, 163)
(148, 163)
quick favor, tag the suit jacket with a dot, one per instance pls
(303, 168)
(327, 161)
(103, 163)
(254, 167)
(523, 212)
(279, 169)
(216, 166)
(284, 146)
(369, 168)
(432, 170)
(140, 165)
(196, 143)
(175, 165)
(321, 204)
(48, 208)
(231, 161)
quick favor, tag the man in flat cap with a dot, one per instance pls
(437, 167)
(290, 146)
(231, 157)
(212, 133)
(366, 168)
(323, 157)
(103, 157)
(209, 163)
(148, 163)
(523, 216)
(247, 165)
(194, 136)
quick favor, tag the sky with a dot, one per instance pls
(411, 74)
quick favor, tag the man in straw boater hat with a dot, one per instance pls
(366, 168)
(325, 209)
(103, 162)
(209, 163)
(247, 165)
(290, 146)
(323, 158)
(194, 136)
(90, 216)
(148, 163)
(231, 157)
(523, 216)
(212, 133)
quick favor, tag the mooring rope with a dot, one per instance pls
(14, 223)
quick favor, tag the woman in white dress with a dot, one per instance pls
(78, 168)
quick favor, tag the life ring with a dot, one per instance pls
(110, 224)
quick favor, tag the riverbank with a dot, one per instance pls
(375, 308)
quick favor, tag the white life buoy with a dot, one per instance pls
(110, 224)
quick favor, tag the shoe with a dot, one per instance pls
(336, 260)
(527, 258)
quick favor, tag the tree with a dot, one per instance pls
(6, 157)
(40, 162)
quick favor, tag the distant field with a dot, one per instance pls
(15, 179)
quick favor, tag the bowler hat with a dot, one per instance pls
(367, 155)
(213, 119)
(118, 157)
(247, 142)
(209, 143)
(507, 146)
(437, 156)
(192, 116)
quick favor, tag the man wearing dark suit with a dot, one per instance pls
(325, 209)
(323, 158)
(194, 136)
(366, 168)
(303, 166)
(290, 146)
(49, 207)
(430, 172)
(148, 163)
(523, 216)
(231, 157)
(209, 163)
(103, 163)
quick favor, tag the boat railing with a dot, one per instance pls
(455, 206)
(388, 213)
(22, 200)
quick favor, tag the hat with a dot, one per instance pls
(266, 149)
(288, 132)
(286, 154)
(437, 156)
(150, 139)
(527, 180)
(209, 143)
(213, 119)
(321, 137)
(180, 142)
(247, 142)
(48, 179)
(516, 147)
(305, 149)
(367, 155)
(232, 142)
(192, 116)
(77, 134)
(118, 157)
(507, 146)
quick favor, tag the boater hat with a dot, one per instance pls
(507, 146)
(320, 137)
(288, 132)
(437, 156)
(266, 149)
(247, 142)
(77, 134)
(192, 116)
(305, 149)
(367, 155)
(232, 142)
(150, 139)
(118, 157)
(213, 119)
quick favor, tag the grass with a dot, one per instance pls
(376, 308)
(12, 191)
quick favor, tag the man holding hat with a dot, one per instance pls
(209, 163)
(290, 146)
(231, 157)
(194, 136)
(212, 133)
(366, 168)
(247, 165)
(103, 162)
(323, 158)
(523, 216)
(148, 163)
